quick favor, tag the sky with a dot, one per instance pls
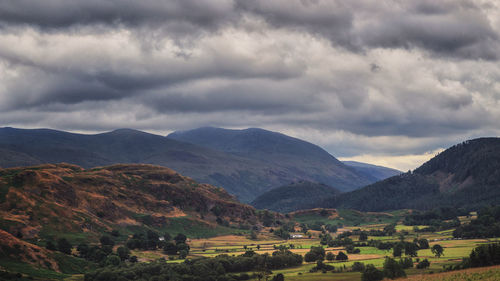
(389, 82)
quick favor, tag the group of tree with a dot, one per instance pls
(101, 254)
(482, 255)
(220, 268)
(318, 254)
(150, 240)
(486, 225)
(392, 269)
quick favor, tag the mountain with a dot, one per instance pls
(50, 201)
(245, 175)
(375, 172)
(466, 175)
(292, 197)
(297, 159)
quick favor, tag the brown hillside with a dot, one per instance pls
(16, 249)
(38, 201)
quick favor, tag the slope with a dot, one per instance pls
(373, 171)
(304, 160)
(465, 175)
(293, 197)
(43, 202)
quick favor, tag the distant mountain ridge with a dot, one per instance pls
(294, 196)
(305, 160)
(375, 171)
(257, 162)
(466, 175)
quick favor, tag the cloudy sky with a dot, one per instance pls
(389, 82)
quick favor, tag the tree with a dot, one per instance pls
(180, 238)
(358, 266)
(315, 254)
(83, 250)
(363, 236)
(393, 269)
(167, 236)
(397, 251)
(411, 249)
(106, 241)
(123, 253)
(279, 277)
(183, 254)
(371, 273)
(64, 246)
(50, 246)
(423, 243)
(437, 250)
(341, 256)
(113, 260)
(330, 256)
(423, 264)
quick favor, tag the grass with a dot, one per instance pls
(352, 218)
(74, 238)
(27, 269)
(72, 265)
(472, 274)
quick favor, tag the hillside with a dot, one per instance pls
(465, 175)
(43, 202)
(292, 197)
(296, 157)
(242, 175)
(375, 172)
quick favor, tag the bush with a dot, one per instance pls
(341, 256)
(315, 254)
(358, 266)
(330, 256)
(372, 274)
(64, 246)
(423, 264)
(393, 269)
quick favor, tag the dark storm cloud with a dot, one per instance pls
(349, 75)
(450, 28)
(64, 14)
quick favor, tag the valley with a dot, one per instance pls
(141, 221)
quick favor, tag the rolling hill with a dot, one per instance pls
(292, 197)
(246, 175)
(465, 175)
(47, 201)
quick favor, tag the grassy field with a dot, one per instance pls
(472, 274)
(454, 250)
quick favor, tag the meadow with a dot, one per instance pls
(237, 243)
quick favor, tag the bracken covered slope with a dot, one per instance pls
(42, 202)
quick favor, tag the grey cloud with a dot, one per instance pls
(449, 28)
(419, 70)
(63, 14)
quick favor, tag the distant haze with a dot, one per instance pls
(387, 84)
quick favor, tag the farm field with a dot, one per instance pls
(454, 250)
(266, 241)
(482, 273)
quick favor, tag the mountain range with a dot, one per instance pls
(247, 163)
(466, 175)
